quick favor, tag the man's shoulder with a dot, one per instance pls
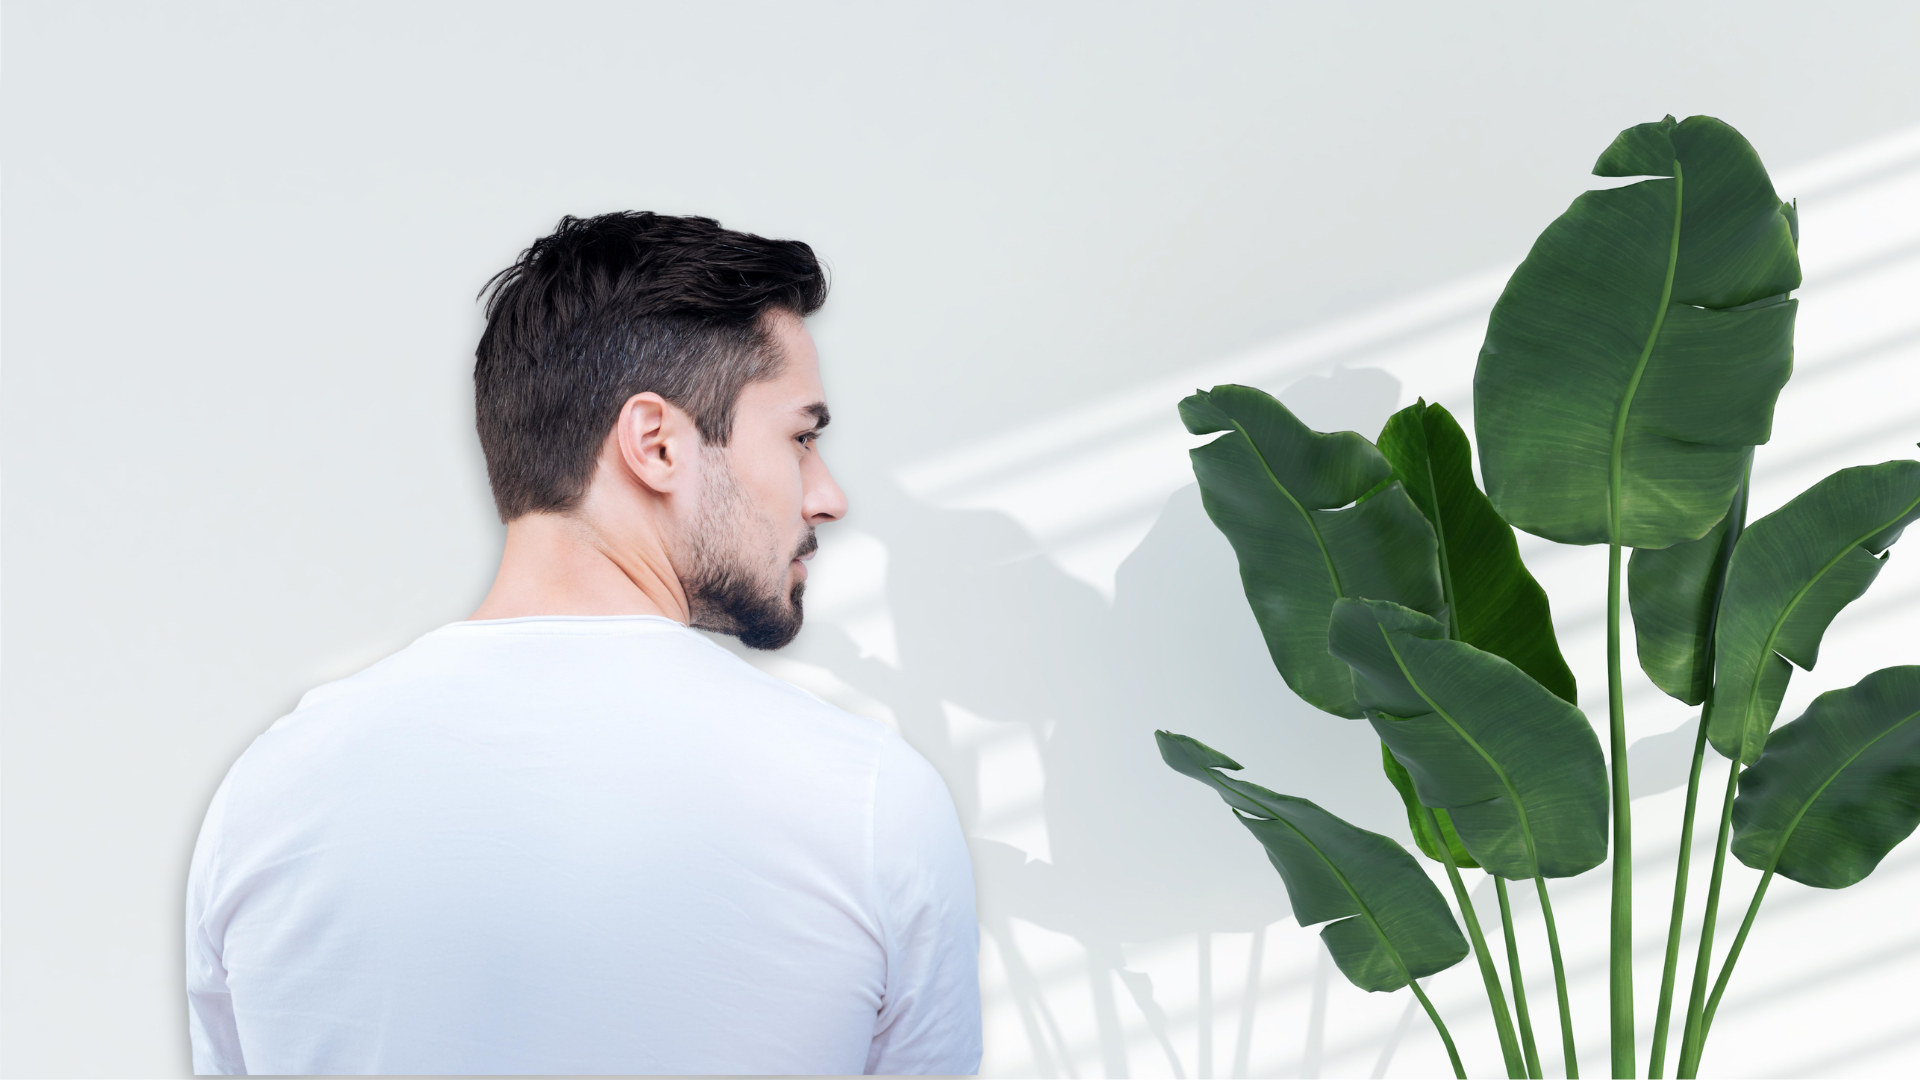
(567, 672)
(568, 722)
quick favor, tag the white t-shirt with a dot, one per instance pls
(579, 845)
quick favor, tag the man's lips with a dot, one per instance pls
(808, 549)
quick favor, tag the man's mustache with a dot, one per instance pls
(808, 546)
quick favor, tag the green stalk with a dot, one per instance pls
(1620, 943)
(1695, 1032)
(1519, 984)
(1733, 957)
(1559, 982)
(1502, 1021)
(1657, 1059)
(1453, 1055)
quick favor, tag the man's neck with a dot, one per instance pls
(562, 564)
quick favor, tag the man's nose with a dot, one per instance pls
(824, 501)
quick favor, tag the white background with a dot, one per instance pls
(242, 244)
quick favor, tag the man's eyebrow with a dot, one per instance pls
(818, 410)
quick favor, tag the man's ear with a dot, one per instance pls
(656, 441)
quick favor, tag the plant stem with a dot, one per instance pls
(1502, 1021)
(1453, 1055)
(1519, 984)
(1620, 943)
(1695, 1032)
(1733, 957)
(1559, 982)
(1737, 516)
(1657, 1060)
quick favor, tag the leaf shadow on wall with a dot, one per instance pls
(985, 623)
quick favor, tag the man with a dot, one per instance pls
(570, 835)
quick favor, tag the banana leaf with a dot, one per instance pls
(1790, 575)
(1518, 769)
(1493, 603)
(1837, 788)
(1391, 925)
(1674, 593)
(1636, 354)
(1313, 517)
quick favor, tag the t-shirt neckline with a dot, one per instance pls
(568, 623)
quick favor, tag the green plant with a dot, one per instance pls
(1629, 370)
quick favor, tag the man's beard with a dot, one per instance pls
(725, 593)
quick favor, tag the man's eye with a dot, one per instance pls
(807, 438)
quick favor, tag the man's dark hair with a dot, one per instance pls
(612, 306)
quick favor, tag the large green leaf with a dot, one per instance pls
(1837, 788)
(1674, 593)
(1276, 488)
(1493, 603)
(1393, 924)
(1790, 574)
(1517, 768)
(1635, 355)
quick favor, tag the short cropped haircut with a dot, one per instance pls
(612, 306)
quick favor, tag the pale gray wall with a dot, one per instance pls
(242, 243)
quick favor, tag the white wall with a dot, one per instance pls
(241, 248)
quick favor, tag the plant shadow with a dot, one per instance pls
(986, 625)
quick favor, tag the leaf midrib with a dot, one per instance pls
(1440, 533)
(1366, 912)
(1773, 632)
(1526, 828)
(1787, 834)
(1615, 466)
(1325, 556)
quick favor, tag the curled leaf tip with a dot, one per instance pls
(1190, 756)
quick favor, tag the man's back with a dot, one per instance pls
(579, 845)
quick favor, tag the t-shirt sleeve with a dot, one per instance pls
(210, 1022)
(929, 1020)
